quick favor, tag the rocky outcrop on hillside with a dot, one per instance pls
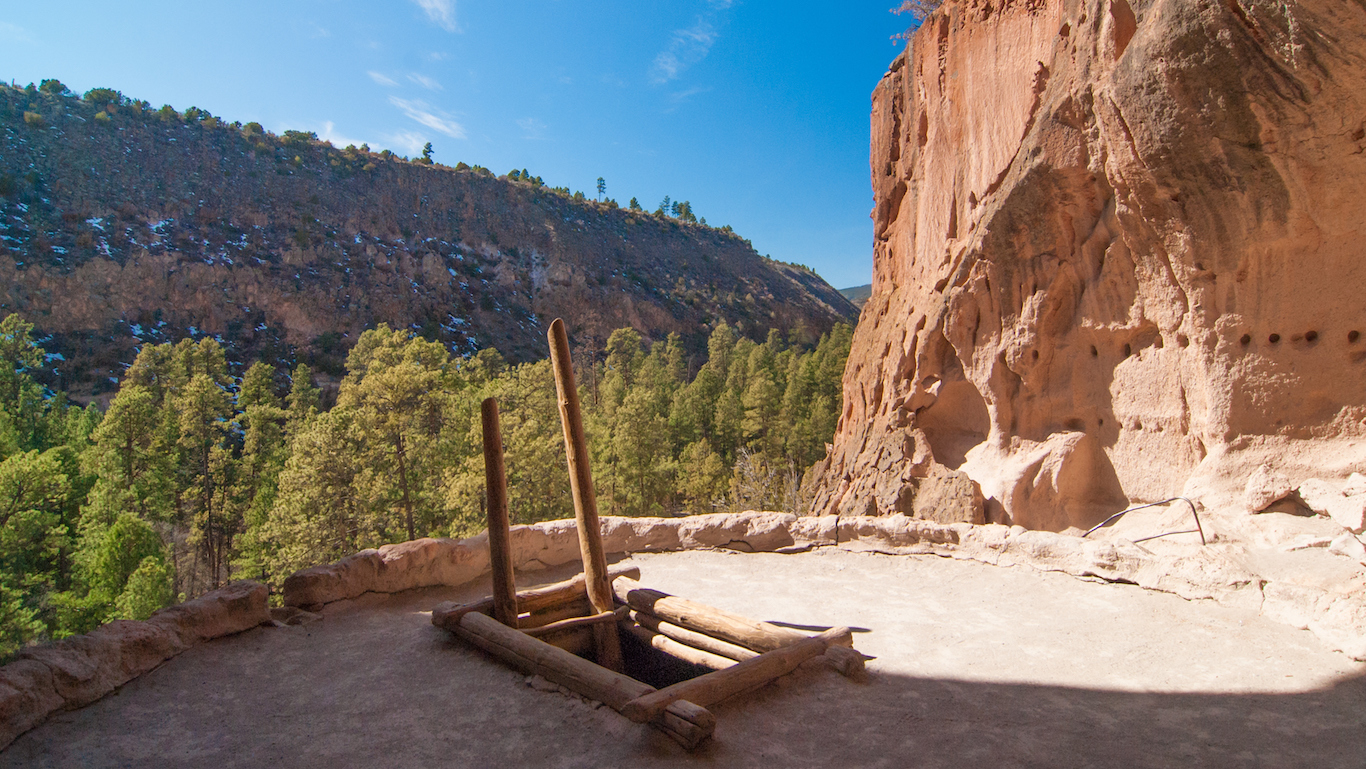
(1117, 259)
(120, 226)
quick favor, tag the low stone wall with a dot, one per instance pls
(431, 562)
(1217, 571)
(76, 671)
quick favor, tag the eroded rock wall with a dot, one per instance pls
(1118, 257)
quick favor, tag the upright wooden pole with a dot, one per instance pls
(500, 538)
(585, 500)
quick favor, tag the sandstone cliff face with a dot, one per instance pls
(136, 229)
(1118, 257)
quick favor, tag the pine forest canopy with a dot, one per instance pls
(194, 477)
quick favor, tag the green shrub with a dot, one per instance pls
(34, 119)
(102, 117)
(54, 87)
(102, 96)
(121, 553)
(148, 589)
(168, 113)
(298, 138)
(7, 185)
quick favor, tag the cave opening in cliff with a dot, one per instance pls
(956, 422)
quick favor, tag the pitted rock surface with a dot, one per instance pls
(1117, 258)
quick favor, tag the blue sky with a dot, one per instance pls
(755, 111)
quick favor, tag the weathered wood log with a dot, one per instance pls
(675, 649)
(585, 498)
(579, 642)
(687, 723)
(500, 537)
(751, 634)
(847, 660)
(579, 607)
(574, 623)
(571, 589)
(692, 637)
(532, 600)
(714, 687)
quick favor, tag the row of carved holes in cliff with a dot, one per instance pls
(1309, 338)
(958, 420)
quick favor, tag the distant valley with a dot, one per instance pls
(857, 295)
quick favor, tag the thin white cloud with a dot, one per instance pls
(382, 79)
(437, 56)
(441, 12)
(720, 5)
(678, 97)
(329, 133)
(15, 33)
(686, 48)
(427, 115)
(426, 82)
(409, 142)
(532, 129)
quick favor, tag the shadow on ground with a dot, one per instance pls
(375, 684)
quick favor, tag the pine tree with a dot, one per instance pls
(262, 422)
(302, 403)
(34, 545)
(396, 387)
(23, 409)
(317, 516)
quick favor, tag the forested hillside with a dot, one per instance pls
(195, 477)
(122, 225)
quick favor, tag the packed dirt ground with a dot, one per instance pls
(975, 665)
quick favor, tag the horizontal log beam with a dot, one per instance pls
(574, 623)
(675, 649)
(692, 637)
(751, 634)
(742, 676)
(529, 601)
(541, 617)
(576, 642)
